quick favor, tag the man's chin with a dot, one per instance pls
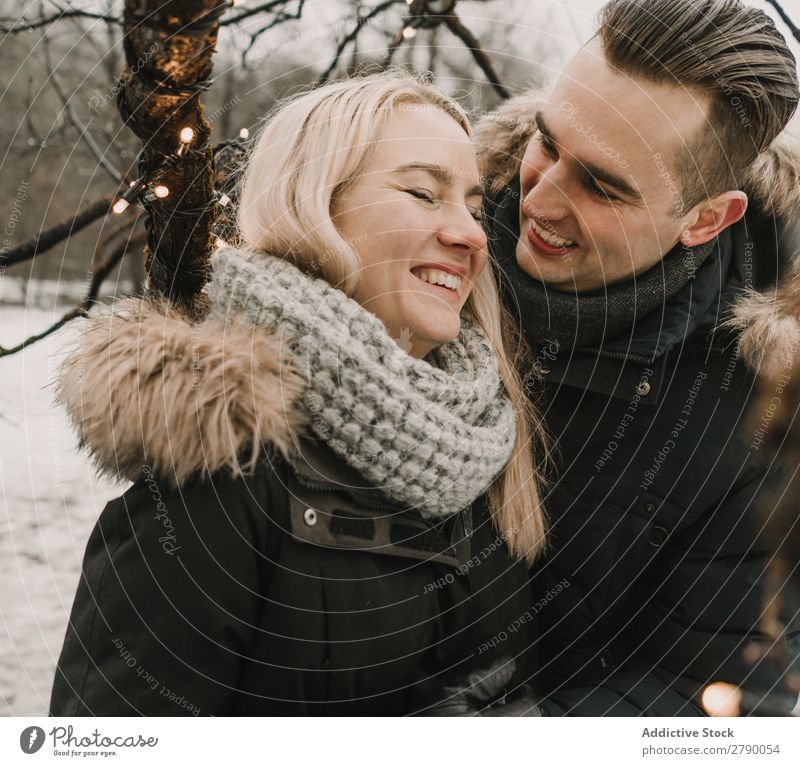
(539, 267)
(553, 271)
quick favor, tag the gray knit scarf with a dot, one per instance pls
(585, 320)
(430, 433)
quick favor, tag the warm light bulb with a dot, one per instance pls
(186, 135)
(244, 133)
(409, 33)
(722, 700)
(121, 205)
(224, 200)
(161, 191)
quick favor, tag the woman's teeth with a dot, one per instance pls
(436, 277)
(551, 239)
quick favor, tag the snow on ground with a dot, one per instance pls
(49, 502)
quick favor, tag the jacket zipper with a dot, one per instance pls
(620, 355)
(327, 487)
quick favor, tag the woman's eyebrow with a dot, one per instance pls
(441, 174)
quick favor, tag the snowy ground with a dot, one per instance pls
(49, 501)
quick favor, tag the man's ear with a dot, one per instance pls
(714, 216)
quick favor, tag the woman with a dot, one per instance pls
(308, 531)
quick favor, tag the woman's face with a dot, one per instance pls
(412, 218)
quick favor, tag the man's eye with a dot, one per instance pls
(599, 192)
(421, 194)
(548, 147)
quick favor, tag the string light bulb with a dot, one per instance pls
(722, 700)
(244, 133)
(120, 206)
(409, 33)
(161, 191)
(186, 136)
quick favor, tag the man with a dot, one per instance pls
(639, 219)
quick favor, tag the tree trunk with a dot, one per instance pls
(168, 49)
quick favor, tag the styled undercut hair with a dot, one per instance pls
(730, 54)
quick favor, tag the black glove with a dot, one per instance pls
(483, 693)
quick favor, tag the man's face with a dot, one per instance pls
(600, 191)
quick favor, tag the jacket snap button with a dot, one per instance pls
(650, 507)
(658, 536)
(643, 389)
(310, 516)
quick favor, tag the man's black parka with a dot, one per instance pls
(654, 580)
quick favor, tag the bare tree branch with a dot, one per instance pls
(83, 131)
(100, 272)
(786, 20)
(351, 35)
(58, 233)
(279, 19)
(13, 26)
(20, 25)
(248, 12)
(481, 59)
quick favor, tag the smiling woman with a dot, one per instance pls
(351, 438)
(421, 245)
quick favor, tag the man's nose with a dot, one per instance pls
(547, 195)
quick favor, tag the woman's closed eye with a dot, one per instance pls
(422, 194)
(476, 213)
(427, 196)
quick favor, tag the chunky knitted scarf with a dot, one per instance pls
(584, 320)
(430, 433)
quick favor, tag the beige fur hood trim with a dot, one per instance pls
(146, 388)
(769, 321)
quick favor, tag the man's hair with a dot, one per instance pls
(723, 49)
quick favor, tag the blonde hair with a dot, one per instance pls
(306, 153)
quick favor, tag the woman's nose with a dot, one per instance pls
(461, 230)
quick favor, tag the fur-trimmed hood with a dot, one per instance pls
(768, 320)
(148, 390)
